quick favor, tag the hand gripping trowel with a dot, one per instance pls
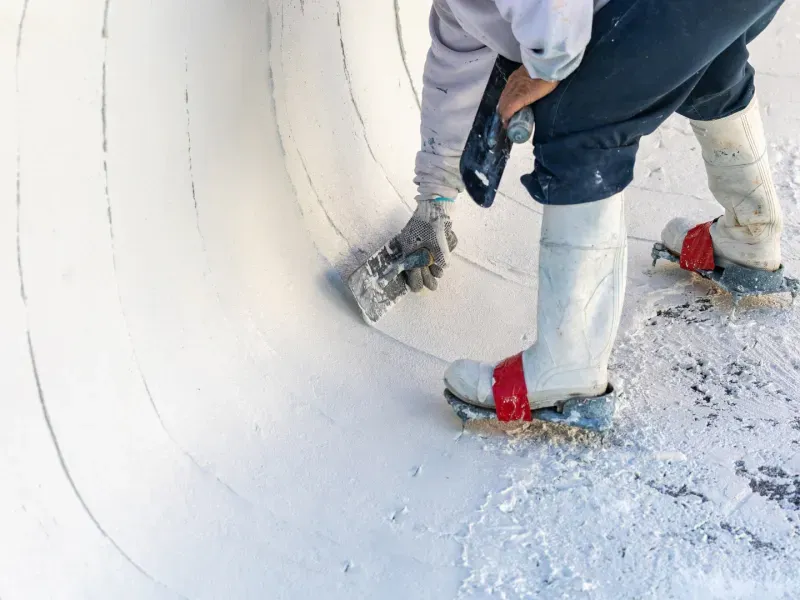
(378, 284)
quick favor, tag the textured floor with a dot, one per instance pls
(192, 408)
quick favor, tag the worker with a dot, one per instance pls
(599, 75)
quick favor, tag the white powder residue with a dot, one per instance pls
(191, 406)
(482, 177)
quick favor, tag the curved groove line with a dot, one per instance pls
(668, 193)
(134, 354)
(204, 470)
(503, 276)
(140, 372)
(322, 206)
(355, 104)
(271, 81)
(274, 108)
(190, 154)
(511, 270)
(636, 238)
(105, 21)
(189, 150)
(358, 113)
(520, 203)
(169, 435)
(403, 55)
(60, 455)
(281, 141)
(32, 355)
(270, 77)
(20, 28)
(71, 481)
(290, 132)
(317, 196)
(408, 346)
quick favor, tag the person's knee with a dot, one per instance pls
(718, 97)
(575, 174)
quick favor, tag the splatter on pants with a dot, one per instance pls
(647, 59)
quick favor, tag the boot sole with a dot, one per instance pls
(738, 281)
(595, 413)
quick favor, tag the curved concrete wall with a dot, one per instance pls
(191, 407)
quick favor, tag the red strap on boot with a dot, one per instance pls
(698, 249)
(510, 391)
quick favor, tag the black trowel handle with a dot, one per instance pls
(416, 260)
(520, 126)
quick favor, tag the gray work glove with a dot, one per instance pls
(430, 227)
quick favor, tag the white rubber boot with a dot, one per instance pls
(582, 269)
(739, 176)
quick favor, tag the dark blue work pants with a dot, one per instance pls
(646, 60)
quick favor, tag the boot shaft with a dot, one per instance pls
(582, 270)
(734, 149)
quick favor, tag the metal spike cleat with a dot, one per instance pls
(594, 414)
(738, 281)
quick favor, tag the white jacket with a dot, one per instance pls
(547, 36)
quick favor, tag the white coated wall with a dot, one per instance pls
(190, 406)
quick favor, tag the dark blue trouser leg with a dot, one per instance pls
(727, 85)
(646, 60)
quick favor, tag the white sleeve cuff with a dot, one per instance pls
(556, 67)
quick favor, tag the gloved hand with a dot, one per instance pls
(430, 227)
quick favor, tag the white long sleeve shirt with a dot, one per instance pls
(548, 37)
